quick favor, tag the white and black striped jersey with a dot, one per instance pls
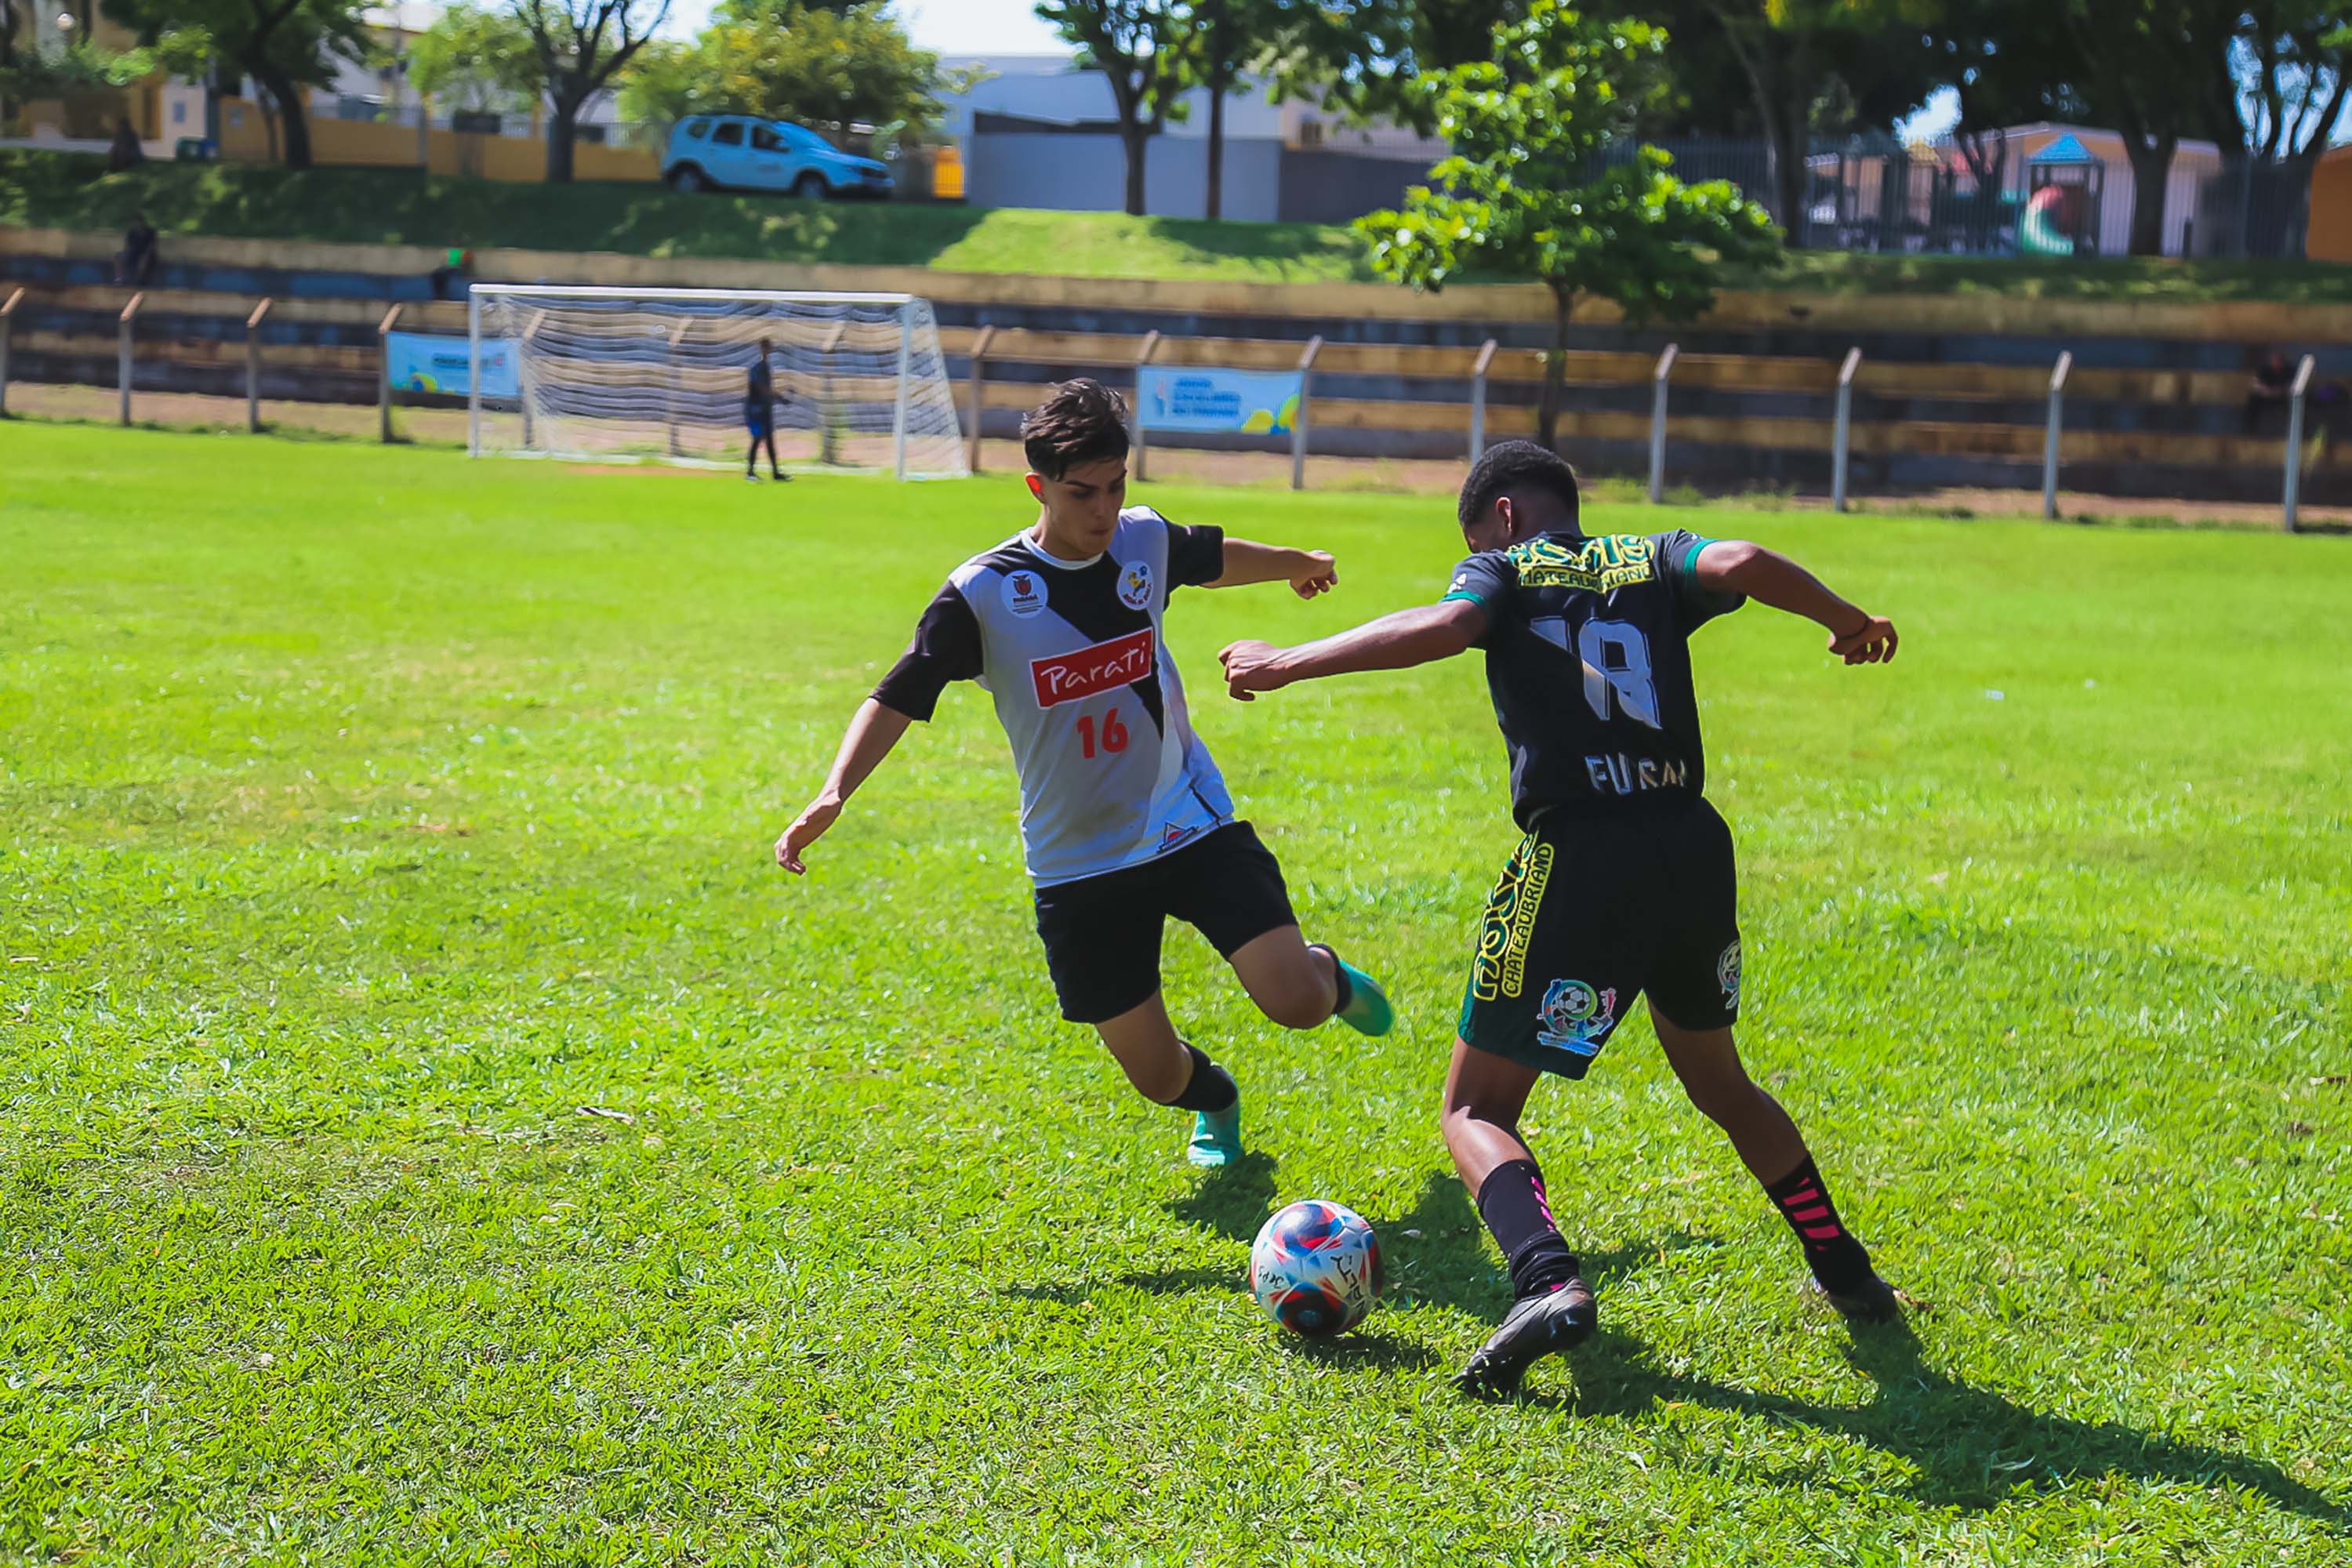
(1111, 774)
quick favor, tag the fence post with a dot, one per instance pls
(384, 375)
(1658, 421)
(7, 327)
(122, 351)
(1478, 399)
(2294, 436)
(1142, 432)
(2050, 441)
(677, 375)
(253, 366)
(1844, 429)
(1298, 424)
(979, 381)
(827, 450)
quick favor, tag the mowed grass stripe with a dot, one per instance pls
(370, 814)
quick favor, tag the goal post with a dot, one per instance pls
(661, 374)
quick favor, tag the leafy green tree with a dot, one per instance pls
(1363, 59)
(1139, 48)
(825, 66)
(2155, 70)
(582, 45)
(1538, 187)
(1223, 38)
(473, 58)
(288, 47)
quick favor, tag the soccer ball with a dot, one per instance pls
(1315, 1267)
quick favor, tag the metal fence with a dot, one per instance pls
(1988, 196)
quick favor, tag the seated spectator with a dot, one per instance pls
(2273, 378)
(447, 278)
(135, 264)
(126, 152)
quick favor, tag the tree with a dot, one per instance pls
(288, 47)
(1787, 49)
(1364, 58)
(833, 67)
(2289, 72)
(472, 59)
(2150, 68)
(2007, 62)
(581, 45)
(1537, 185)
(1137, 45)
(1223, 39)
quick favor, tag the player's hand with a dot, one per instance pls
(806, 830)
(1873, 642)
(1252, 666)
(1320, 577)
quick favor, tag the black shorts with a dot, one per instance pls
(1102, 933)
(1590, 914)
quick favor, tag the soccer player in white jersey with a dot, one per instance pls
(1124, 818)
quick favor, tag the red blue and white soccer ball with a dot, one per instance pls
(1315, 1267)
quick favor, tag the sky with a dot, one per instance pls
(950, 27)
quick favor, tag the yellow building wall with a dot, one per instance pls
(2329, 237)
(366, 143)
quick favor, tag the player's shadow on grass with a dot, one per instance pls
(1972, 1448)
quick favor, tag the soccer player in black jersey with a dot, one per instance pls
(1624, 883)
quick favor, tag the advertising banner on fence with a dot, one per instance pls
(421, 363)
(1233, 401)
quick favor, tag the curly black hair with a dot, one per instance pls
(1511, 466)
(1084, 422)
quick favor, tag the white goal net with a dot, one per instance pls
(664, 373)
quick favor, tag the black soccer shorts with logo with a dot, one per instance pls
(1591, 913)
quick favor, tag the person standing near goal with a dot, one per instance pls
(759, 399)
(1125, 820)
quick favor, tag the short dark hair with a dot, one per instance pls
(1511, 466)
(1084, 422)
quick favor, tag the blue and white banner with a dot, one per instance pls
(421, 363)
(1239, 402)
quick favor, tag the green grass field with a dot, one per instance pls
(362, 206)
(435, 1132)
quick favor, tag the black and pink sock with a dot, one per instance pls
(1516, 1208)
(1839, 1261)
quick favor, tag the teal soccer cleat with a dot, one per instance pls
(1363, 1006)
(1216, 1137)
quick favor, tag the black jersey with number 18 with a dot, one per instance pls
(1588, 661)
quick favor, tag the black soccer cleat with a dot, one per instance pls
(1534, 1327)
(1873, 1301)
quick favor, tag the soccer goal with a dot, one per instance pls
(661, 373)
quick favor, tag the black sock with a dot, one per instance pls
(1513, 1203)
(1345, 993)
(1212, 1087)
(1838, 1260)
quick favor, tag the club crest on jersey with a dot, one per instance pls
(1135, 585)
(1726, 973)
(1103, 666)
(1575, 1017)
(1024, 595)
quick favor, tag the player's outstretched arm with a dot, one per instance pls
(1308, 571)
(1419, 636)
(872, 732)
(1768, 577)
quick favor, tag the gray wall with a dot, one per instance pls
(1087, 172)
(1339, 187)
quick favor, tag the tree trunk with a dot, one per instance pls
(2151, 168)
(562, 125)
(1216, 151)
(1139, 142)
(1782, 86)
(292, 117)
(1555, 367)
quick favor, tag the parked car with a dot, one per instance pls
(744, 152)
